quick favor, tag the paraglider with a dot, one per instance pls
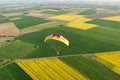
(57, 42)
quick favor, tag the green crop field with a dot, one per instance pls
(106, 23)
(5, 21)
(28, 21)
(13, 11)
(90, 68)
(1, 16)
(88, 12)
(18, 48)
(13, 72)
(59, 12)
(81, 42)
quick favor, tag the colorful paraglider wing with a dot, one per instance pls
(57, 37)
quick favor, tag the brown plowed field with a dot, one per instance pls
(9, 29)
(100, 14)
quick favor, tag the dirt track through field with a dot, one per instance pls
(41, 26)
(53, 57)
(15, 18)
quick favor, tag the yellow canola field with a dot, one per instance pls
(80, 24)
(75, 21)
(66, 17)
(49, 69)
(110, 59)
(113, 18)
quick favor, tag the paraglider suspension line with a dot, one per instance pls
(57, 49)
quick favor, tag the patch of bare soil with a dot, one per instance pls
(34, 14)
(47, 15)
(74, 12)
(100, 14)
(9, 29)
(12, 14)
(5, 40)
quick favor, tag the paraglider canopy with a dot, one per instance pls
(57, 41)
